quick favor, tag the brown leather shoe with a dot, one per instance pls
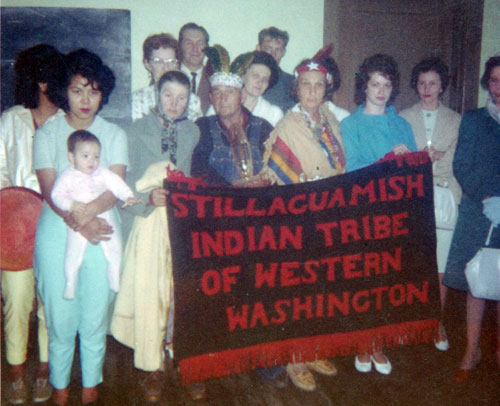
(89, 395)
(153, 386)
(197, 391)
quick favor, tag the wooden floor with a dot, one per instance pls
(421, 376)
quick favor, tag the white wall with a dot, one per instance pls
(232, 23)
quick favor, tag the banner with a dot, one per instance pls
(313, 270)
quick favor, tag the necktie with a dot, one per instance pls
(193, 82)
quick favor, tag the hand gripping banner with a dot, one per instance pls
(319, 269)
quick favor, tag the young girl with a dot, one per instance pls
(89, 84)
(78, 185)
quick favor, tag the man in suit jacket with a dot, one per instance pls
(193, 39)
(274, 42)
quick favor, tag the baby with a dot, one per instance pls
(78, 185)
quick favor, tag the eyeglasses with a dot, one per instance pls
(171, 62)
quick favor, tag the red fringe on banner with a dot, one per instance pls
(216, 365)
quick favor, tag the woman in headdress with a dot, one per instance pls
(306, 145)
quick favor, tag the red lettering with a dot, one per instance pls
(394, 261)
(237, 318)
(349, 231)
(211, 244)
(287, 237)
(313, 206)
(200, 201)
(367, 232)
(398, 227)
(395, 184)
(381, 227)
(421, 295)
(356, 301)
(310, 268)
(319, 305)
(330, 263)
(378, 296)
(288, 277)
(180, 209)
(302, 307)
(292, 204)
(251, 238)
(230, 211)
(335, 303)
(277, 206)
(265, 276)
(218, 207)
(267, 239)
(326, 228)
(195, 244)
(382, 191)
(349, 265)
(358, 191)
(372, 263)
(227, 277)
(415, 185)
(252, 211)
(210, 282)
(278, 307)
(259, 315)
(233, 242)
(337, 199)
(397, 295)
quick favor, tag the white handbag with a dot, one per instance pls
(445, 208)
(483, 272)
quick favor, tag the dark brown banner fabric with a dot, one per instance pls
(313, 270)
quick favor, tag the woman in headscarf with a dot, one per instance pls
(143, 316)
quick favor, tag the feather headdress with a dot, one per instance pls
(323, 53)
(242, 63)
(222, 74)
(316, 63)
(218, 57)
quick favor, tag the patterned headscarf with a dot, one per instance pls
(169, 129)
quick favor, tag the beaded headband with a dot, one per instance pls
(226, 79)
(312, 66)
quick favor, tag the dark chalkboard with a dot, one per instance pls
(105, 32)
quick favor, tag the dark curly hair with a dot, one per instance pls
(90, 66)
(386, 66)
(328, 88)
(491, 64)
(433, 64)
(263, 58)
(157, 41)
(41, 63)
(332, 68)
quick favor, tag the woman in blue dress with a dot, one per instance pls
(89, 84)
(477, 168)
(374, 130)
